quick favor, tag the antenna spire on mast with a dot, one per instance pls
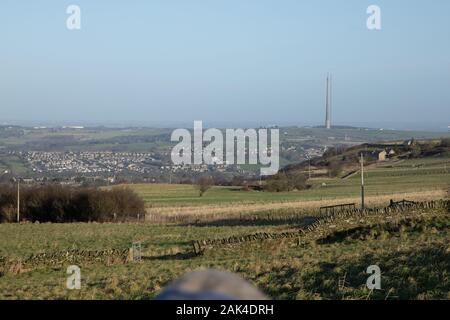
(328, 103)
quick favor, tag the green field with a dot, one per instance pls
(411, 249)
(146, 139)
(13, 163)
(388, 178)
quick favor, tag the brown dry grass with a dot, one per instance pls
(242, 208)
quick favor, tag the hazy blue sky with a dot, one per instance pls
(224, 60)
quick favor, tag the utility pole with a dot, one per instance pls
(18, 200)
(309, 168)
(362, 181)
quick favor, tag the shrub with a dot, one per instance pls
(203, 184)
(286, 181)
(445, 143)
(55, 203)
(334, 168)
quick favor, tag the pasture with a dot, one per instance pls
(411, 246)
(419, 179)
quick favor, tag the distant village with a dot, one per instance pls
(103, 156)
(116, 167)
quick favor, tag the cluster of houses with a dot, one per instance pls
(70, 167)
(383, 155)
(87, 162)
(384, 152)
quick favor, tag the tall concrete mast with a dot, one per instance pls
(328, 103)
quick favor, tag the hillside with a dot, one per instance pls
(344, 161)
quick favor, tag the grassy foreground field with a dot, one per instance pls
(411, 247)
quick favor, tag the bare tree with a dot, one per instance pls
(203, 184)
(334, 168)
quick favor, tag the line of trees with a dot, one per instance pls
(56, 203)
(286, 181)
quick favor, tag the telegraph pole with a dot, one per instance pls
(362, 181)
(309, 168)
(18, 200)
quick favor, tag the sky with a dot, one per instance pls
(224, 61)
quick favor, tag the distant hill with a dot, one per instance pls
(342, 161)
(342, 127)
